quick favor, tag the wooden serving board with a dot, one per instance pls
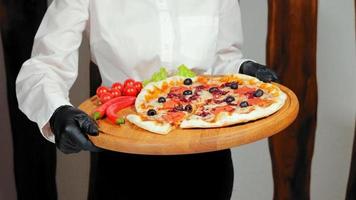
(132, 139)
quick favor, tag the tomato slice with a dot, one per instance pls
(173, 117)
(179, 90)
(170, 104)
(259, 102)
(243, 90)
(220, 109)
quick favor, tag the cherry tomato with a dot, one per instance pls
(106, 97)
(115, 92)
(129, 82)
(130, 91)
(138, 86)
(118, 86)
(102, 90)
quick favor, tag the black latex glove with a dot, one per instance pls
(70, 126)
(259, 71)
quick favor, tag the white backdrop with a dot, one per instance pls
(337, 99)
(252, 162)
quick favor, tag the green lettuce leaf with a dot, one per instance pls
(157, 76)
(163, 74)
(185, 71)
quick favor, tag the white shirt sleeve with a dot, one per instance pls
(230, 41)
(44, 80)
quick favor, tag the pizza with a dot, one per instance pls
(204, 102)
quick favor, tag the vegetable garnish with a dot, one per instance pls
(99, 112)
(111, 111)
(163, 74)
(157, 76)
(185, 71)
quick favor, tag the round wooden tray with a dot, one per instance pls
(132, 139)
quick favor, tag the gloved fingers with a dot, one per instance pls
(66, 145)
(87, 125)
(82, 140)
(266, 75)
(274, 76)
(93, 129)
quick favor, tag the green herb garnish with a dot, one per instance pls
(185, 71)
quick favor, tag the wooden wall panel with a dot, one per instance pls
(351, 187)
(291, 52)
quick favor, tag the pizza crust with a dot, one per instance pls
(226, 119)
(152, 126)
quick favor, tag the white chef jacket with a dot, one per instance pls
(128, 38)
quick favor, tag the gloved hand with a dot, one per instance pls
(70, 126)
(259, 71)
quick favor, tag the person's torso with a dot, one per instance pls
(134, 38)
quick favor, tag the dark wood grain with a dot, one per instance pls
(291, 52)
(351, 187)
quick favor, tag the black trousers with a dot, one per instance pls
(141, 177)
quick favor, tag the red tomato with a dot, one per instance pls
(117, 85)
(106, 97)
(115, 92)
(130, 91)
(129, 82)
(138, 86)
(102, 90)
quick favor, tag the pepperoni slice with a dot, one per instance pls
(220, 109)
(170, 104)
(179, 90)
(243, 90)
(173, 117)
(259, 102)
